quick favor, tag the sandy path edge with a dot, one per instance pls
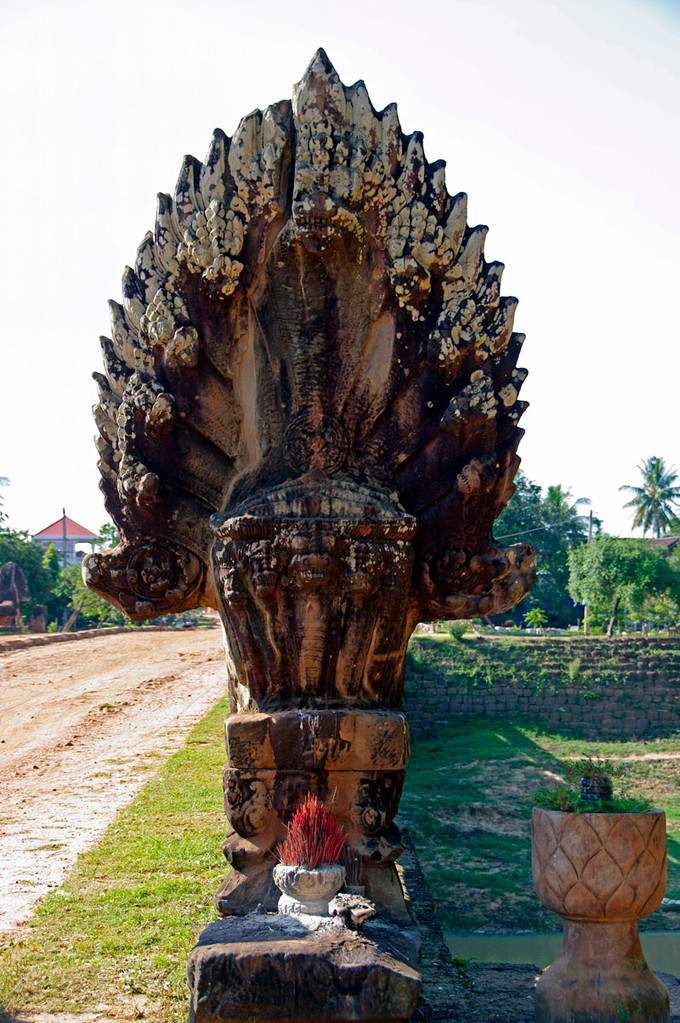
(82, 729)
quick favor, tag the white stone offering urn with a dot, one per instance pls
(308, 891)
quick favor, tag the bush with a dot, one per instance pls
(415, 657)
(457, 629)
(574, 669)
(569, 801)
(535, 618)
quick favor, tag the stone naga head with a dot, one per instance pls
(309, 412)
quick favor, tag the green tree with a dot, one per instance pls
(559, 509)
(552, 523)
(621, 574)
(108, 537)
(57, 601)
(68, 590)
(535, 618)
(84, 602)
(653, 502)
(565, 528)
(52, 563)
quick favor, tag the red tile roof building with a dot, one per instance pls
(65, 533)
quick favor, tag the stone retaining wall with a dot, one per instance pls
(628, 692)
(43, 638)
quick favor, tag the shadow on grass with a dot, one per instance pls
(467, 803)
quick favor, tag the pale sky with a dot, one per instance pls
(561, 120)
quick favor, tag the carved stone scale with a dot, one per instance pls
(309, 420)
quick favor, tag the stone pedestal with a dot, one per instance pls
(268, 967)
(354, 760)
(602, 872)
(601, 975)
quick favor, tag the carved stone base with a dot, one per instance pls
(246, 891)
(249, 888)
(352, 758)
(601, 976)
(270, 967)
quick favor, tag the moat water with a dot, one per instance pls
(661, 948)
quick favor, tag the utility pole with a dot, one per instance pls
(586, 609)
(63, 536)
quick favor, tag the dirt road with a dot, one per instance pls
(83, 725)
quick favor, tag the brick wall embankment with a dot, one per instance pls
(598, 689)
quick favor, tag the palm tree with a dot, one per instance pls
(653, 501)
(4, 482)
(558, 508)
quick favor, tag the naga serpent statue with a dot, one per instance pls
(309, 421)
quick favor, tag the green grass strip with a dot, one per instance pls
(123, 923)
(467, 803)
(133, 906)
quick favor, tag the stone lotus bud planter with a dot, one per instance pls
(601, 872)
(307, 891)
